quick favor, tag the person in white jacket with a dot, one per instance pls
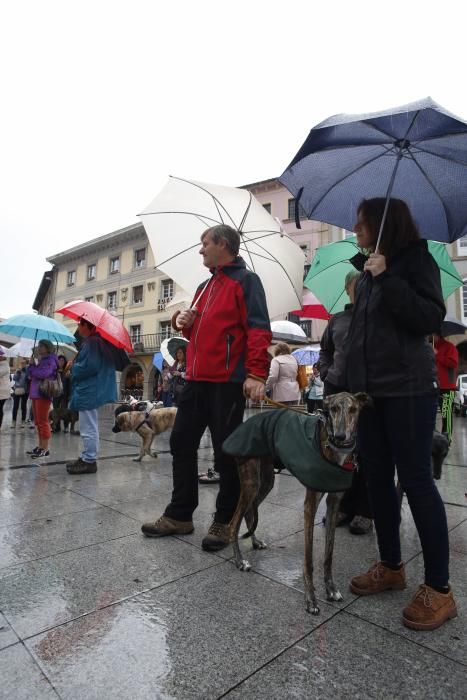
(5, 382)
(282, 378)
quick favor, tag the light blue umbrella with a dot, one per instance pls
(36, 327)
(157, 361)
(307, 355)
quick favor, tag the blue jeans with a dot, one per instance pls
(89, 429)
(398, 433)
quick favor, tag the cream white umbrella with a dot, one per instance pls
(183, 210)
(25, 347)
(287, 328)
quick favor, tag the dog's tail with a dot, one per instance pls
(252, 529)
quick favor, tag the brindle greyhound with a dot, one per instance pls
(337, 441)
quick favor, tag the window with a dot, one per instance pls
(135, 333)
(137, 294)
(167, 290)
(140, 257)
(165, 329)
(267, 206)
(71, 278)
(89, 299)
(91, 271)
(291, 212)
(462, 246)
(111, 300)
(114, 264)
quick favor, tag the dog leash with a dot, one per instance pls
(278, 404)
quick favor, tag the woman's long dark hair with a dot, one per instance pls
(399, 228)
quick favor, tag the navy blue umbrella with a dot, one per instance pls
(417, 152)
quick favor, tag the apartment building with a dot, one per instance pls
(116, 271)
(281, 205)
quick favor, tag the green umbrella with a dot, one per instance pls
(331, 265)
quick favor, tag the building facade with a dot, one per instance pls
(116, 271)
(281, 205)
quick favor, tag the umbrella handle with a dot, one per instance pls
(193, 306)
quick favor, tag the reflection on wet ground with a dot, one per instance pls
(89, 608)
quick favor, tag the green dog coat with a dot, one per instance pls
(293, 439)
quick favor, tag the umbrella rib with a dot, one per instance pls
(431, 185)
(437, 155)
(246, 212)
(180, 252)
(186, 213)
(217, 202)
(245, 240)
(344, 177)
(274, 259)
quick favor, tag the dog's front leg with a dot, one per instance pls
(312, 500)
(333, 500)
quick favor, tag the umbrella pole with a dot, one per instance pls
(388, 197)
(193, 306)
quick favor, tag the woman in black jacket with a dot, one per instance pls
(398, 304)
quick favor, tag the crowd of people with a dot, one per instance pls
(378, 345)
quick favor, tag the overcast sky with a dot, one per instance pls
(102, 100)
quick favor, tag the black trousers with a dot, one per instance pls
(219, 407)
(17, 400)
(399, 431)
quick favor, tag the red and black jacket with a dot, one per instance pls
(231, 333)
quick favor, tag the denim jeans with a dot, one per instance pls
(89, 429)
(397, 433)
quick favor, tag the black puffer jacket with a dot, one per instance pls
(388, 354)
(332, 356)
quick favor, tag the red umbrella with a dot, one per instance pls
(107, 325)
(311, 307)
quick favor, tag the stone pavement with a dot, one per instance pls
(89, 608)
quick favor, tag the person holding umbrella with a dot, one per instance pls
(93, 384)
(399, 303)
(226, 363)
(5, 384)
(44, 367)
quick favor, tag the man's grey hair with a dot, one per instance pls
(350, 277)
(222, 232)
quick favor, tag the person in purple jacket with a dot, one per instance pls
(45, 366)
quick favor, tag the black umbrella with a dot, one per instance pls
(451, 326)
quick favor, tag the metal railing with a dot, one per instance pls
(151, 342)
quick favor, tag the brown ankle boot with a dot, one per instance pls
(378, 578)
(428, 609)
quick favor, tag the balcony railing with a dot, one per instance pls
(151, 342)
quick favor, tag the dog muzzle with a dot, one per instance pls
(116, 429)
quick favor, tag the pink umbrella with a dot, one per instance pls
(107, 325)
(311, 307)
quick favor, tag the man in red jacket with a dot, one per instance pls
(447, 362)
(227, 361)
